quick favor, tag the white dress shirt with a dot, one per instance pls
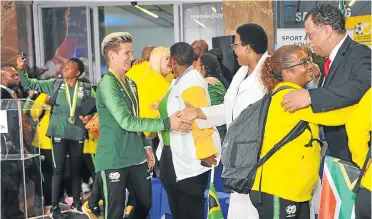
(334, 52)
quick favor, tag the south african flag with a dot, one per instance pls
(337, 198)
(214, 207)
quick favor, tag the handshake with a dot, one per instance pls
(182, 120)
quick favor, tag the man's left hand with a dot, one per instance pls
(296, 100)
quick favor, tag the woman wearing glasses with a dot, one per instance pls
(288, 178)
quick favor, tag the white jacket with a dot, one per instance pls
(243, 91)
(185, 163)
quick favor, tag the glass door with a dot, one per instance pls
(65, 31)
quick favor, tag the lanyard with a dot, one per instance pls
(135, 102)
(74, 102)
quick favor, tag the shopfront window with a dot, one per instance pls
(202, 21)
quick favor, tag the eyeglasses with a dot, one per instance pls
(304, 62)
(233, 45)
(310, 35)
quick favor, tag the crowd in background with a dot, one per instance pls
(168, 112)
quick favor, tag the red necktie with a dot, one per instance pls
(327, 65)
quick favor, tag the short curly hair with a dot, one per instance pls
(328, 14)
(182, 53)
(253, 35)
(271, 72)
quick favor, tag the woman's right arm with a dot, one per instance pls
(205, 117)
(44, 86)
(114, 100)
(214, 116)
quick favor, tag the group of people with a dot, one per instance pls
(183, 95)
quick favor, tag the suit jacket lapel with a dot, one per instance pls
(338, 59)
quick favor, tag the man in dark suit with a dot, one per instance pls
(10, 170)
(346, 76)
(9, 81)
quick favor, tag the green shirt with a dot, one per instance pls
(217, 94)
(58, 125)
(121, 141)
(163, 111)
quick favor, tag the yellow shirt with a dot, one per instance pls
(169, 78)
(292, 172)
(358, 129)
(151, 88)
(40, 139)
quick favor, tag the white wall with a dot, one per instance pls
(147, 36)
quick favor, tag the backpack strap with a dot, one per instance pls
(87, 89)
(56, 86)
(282, 88)
(362, 171)
(263, 114)
(293, 134)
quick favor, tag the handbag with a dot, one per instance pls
(92, 125)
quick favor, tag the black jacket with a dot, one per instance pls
(348, 80)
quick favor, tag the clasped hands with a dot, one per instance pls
(186, 117)
(182, 120)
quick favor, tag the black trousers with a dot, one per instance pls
(283, 209)
(186, 197)
(363, 204)
(88, 169)
(60, 148)
(97, 192)
(47, 170)
(11, 180)
(114, 184)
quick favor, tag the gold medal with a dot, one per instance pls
(71, 120)
(72, 105)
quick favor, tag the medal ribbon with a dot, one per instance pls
(134, 106)
(68, 97)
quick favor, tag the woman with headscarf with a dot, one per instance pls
(186, 158)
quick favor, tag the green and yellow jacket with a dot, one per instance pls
(121, 141)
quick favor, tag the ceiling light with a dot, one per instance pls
(214, 9)
(351, 3)
(200, 23)
(147, 11)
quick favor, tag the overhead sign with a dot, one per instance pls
(362, 28)
(296, 36)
